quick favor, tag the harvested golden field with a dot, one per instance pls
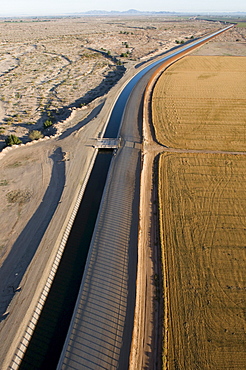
(199, 102)
(203, 231)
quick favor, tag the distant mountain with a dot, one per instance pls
(127, 12)
(139, 12)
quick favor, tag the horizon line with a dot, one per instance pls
(127, 12)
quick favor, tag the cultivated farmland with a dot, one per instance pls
(203, 231)
(199, 103)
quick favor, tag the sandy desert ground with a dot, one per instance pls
(48, 67)
(58, 69)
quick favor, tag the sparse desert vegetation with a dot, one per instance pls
(49, 66)
(199, 103)
(35, 135)
(18, 196)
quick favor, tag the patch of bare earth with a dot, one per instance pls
(229, 43)
(23, 181)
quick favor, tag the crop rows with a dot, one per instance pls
(199, 103)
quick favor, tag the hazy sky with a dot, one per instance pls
(52, 7)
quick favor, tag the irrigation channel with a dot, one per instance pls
(45, 346)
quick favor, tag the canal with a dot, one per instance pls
(45, 346)
(49, 335)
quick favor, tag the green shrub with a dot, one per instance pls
(48, 123)
(12, 140)
(35, 135)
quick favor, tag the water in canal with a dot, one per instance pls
(116, 116)
(50, 333)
